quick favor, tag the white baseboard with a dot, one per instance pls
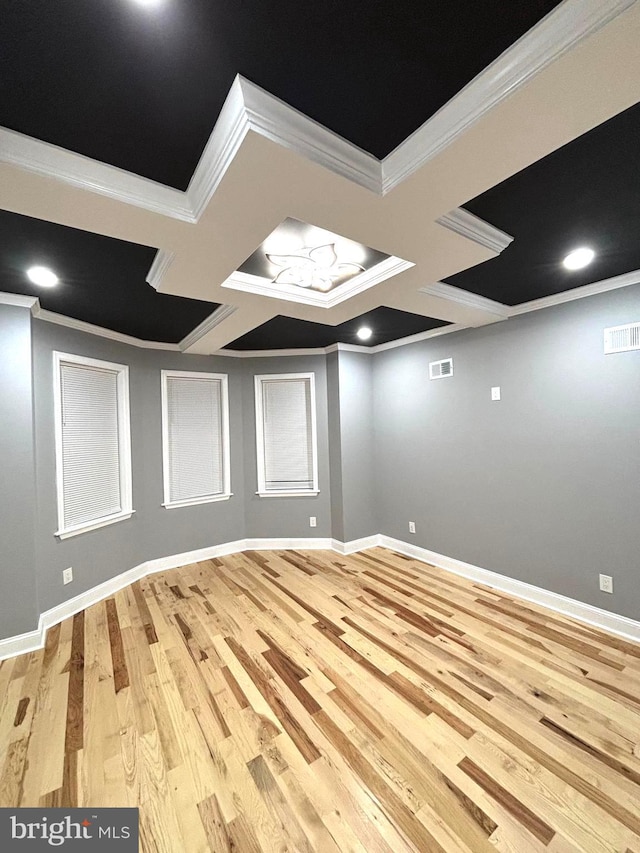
(622, 626)
(288, 544)
(22, 643)
(355, 544)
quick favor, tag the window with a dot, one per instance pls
(195, 438)
(93, 443)
(286, 435)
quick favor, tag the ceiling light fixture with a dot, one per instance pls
(317, 268)
(42, 276)
(364, 333)
(579, 258)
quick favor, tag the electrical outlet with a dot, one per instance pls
(495, 393)
(606, 583)
(312, 521)
(67, 575)
(412, 527)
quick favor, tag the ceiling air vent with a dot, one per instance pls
(622, 338)
(441, 369)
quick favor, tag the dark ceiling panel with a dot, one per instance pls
(387, 324)
(102, 280)
(585, 194)
(140, 87)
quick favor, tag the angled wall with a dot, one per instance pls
(153, 531)
(19, 600)
(280, 517)
(353, 471)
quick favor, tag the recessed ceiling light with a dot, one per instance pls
(364, 333)
(579, 258)
(148, 2)
(42, 276)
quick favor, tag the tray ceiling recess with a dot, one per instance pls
(303, 263)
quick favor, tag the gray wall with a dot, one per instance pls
(286, 517)
(357, 430)
(543, 486)
(152, 531)
(335, 446)
(19, 598)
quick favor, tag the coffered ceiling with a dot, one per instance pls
(149, 153)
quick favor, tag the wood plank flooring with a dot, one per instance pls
(290, 701)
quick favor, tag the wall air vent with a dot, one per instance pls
(622, 338)
(441, 369)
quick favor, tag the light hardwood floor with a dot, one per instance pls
(298, 701)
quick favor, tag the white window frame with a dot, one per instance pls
(226, 449)
(124, 442)
(262, 488)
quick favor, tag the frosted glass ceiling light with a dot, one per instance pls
(579, 258)
(364, 333)
(42, 276)
(318, 268)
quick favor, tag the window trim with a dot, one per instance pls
(167, 503)
(263, 492)
(124, 442)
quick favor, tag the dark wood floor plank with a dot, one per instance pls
(522, 814)
(120, 672)
(75, 701)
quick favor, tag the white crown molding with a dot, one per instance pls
(560, 31)
(221, 313)
(464, 297)
(473, 228)
(226, 138)
(60, 320)
(339, 347)
(420, 336)
(261, 286)
(269, 353)
(281, 123)
(586, 290)
(386, 269)
(48, 160)
(31, 641)
(18, 300)
(161, 263)
(605, 620)
(249, 107)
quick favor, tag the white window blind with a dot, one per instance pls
(92, 430)
(287, 457)
(195, 434)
